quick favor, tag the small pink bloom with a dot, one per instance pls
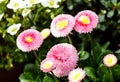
(29, 40)
(48, 65)
(66, 56)
(62, 25)
(110, 60)
(76, 75)
(85, 21)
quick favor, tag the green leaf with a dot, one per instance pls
(32, 68)
(110, 14)
(47, 79)
(116, 72)
(83, 55)
(118, 51)
(70, 4)
(114, 2)
(90, 73)
(26, 77)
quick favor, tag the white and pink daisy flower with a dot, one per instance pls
(62, 25)
(76, 75)
(50, 3)
(66, 57)
(86, 20)
(13, 29)
(110, 60)
(15, 4)
(29, 40)
(48, 65)
(45, 33)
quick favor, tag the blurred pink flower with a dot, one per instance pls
(85, 21)
(62, 25)
(48, 65)
(66, 57)
(76, 75)
(29, 40)
(110, 60)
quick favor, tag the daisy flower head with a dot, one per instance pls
(62, 25)
(45, 33)
(13, 29)
(15, 4)
(86, 21)
(76, 75)
(29, 40)
(25, 12)
(110, 60)
(66, 56)
(29, 3)
(48, 65)
(50, 3)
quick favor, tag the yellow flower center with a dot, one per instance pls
(32, 1)
(14, 29)
(47, 65)
(29, 39)
(16, 4)
(62, 24)
(84, 19)
(76, 76)
(51, 3)
(109, 60)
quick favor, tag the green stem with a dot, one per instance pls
(35, 54)
(70, 40)
(55, 78)
(92, 46)
(111, 75)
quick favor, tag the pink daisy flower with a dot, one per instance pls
(48, 65)
(76, 75)
(29, 40)
(66, 57)
(110, 60)
(62, 25)
(85, 21)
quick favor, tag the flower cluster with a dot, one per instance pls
(84, 22)
(19, 4)
(63, 60)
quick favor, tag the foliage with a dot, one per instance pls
(92, 47)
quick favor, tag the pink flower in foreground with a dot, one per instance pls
(62, 25)
(85, 21)
(48, 65)
(29, 40)
(66, 57)
(76, 75)
(110, 60)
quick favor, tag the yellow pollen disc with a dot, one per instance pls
(32, 1)
(62, 24)
(76, 76)
(84, 19)
(14, 29)
(109, 60)
(51, 3)
(29, 39)
(16, 4)
(47, 65)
